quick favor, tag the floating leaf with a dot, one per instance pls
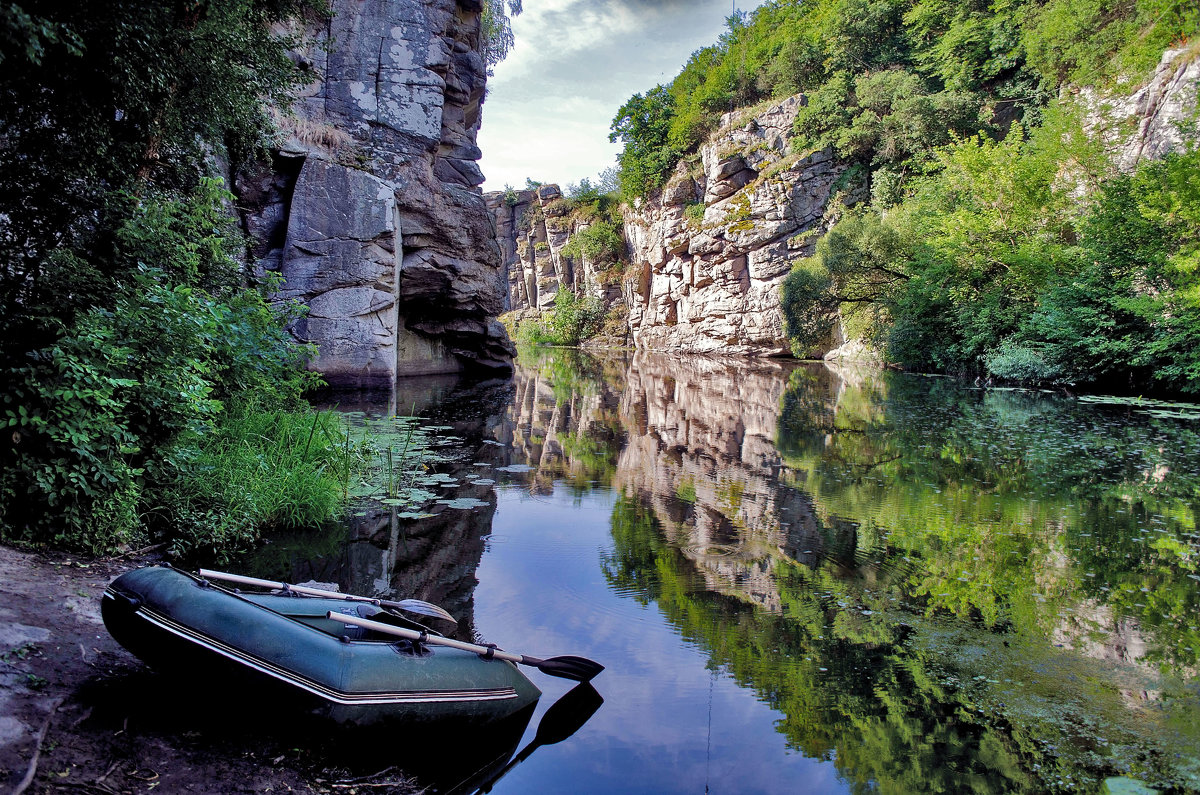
(463, 502)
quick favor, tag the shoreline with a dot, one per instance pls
(93, 718)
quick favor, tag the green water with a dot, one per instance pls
(941, 587)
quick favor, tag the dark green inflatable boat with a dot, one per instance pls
(284, 647)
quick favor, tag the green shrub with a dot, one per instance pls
(863, 261)
(1013, 361)
(573, 319)
(600, 242)
(256, 470)
(643, 125)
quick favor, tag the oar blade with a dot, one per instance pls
(423, 608)
(579, 669)
(567, 715)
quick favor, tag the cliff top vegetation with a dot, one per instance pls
(886, 81)
(1000, 239)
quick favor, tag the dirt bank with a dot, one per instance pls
(99, 721)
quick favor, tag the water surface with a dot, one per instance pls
(806, 579)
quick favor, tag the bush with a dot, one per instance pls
(1013, 361)
(600, 242)
(573, 319)
(256, 470)
(859, 264)
(643, 124)
(98, 421)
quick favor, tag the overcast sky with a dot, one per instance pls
(574, 64)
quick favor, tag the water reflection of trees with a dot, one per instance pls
(1020, 506)
(909, 571)
(848, 690)
(563, 421)
(884, 694)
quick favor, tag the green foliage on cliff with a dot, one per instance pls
(600, 242)
(782, 48)
(886, 81)
(496, 28)
(129, 341)
(596, 216)
(991, 266)
(573, 319)
(991, 245)
(643, 125)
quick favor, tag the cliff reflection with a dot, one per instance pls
(916, 575)
(937, 588)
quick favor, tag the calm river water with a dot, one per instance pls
(805, 579)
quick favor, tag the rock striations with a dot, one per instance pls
(707, 253)
(711, 250)
(1158, 118)
(371, 211)
(534, 228)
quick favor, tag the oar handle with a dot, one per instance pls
(410, 605)
(257, 583)
(425, 637)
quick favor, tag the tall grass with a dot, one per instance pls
(256, 471)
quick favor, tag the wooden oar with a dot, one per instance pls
(409, 605)
(580, 669)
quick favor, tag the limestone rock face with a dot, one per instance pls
(720, 489)
(708, 252)
(711, 250)
(382, 231)
(1154, 120)
(534, 228)
(340, 260)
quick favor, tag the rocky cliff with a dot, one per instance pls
(712, 248)
(371, 212)
(534, 229)
(657, 429)
(1157, 118)
(706, 254)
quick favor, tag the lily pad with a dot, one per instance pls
(515, 468)
(463, 502)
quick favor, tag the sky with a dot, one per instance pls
(575, 63)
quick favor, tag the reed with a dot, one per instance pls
(261, 470)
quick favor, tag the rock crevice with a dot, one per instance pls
(383, 232)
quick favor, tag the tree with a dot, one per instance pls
(128, 97)
(643, 124)
(126, 329)
(496, 24)
(856, 269)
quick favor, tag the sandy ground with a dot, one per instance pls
(83, 715)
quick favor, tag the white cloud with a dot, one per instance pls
(575, 62)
